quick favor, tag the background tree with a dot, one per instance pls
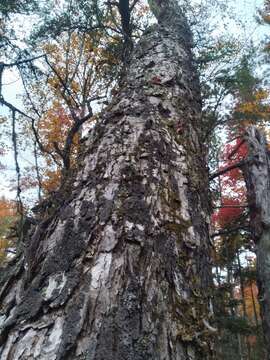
(231, 217)
(8, 218)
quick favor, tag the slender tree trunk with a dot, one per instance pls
(242, 287)
(257, 177)
(254, 304)
(121, 269)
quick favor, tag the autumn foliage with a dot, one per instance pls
(233, 192)
(53, 130)
(8, 217)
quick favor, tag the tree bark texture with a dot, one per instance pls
(121, 269)
(257, 178)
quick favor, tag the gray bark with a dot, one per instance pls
(121, 270)
(257, 178)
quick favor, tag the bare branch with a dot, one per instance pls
(133, 4)
(69, 140)
(35, 132)
(230, 231)
(230, 206)
(209, 327)
(79, 58)
(228, 168)
(17, 166)
(236, 149)
(64, 87)
(37, 171)
(1, 74)
(57, 149)
(10, 251)
(21, 62)
(14, 108)
(29, 96)
(41, 147)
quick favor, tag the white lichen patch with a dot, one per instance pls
(100, 270)
(108, 171)
(110, 191)
(184, 210)
(140, 227)
(56, 283)
(128, 225)
(77, 205)
(38, 345)
(154, 220)
(11, 314)
(155, 173)
(2, 320)
(54, 340)
(90, 165)
(8, 345)
(191, 237)
(178, 281)
(56, 237)
(109, 238)
(25, 345)
(154, 100)
(90, 195)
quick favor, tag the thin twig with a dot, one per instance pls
(230, 206)
(37, 171)
(62, 83)
(229, 231)
(236, 149)
(17, 166)
(69, 139)
(228, 168)
(21, 62)
(14, 108)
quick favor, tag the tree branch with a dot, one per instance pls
(69, 140)
(133, 4)
(28, 95)
(64, 86)
(37, 171)
(21, 62)
(229, 231)
(228, 168)
(230, 206)
(40, 145)
(236, 149)
(17, 166)
(14, 108)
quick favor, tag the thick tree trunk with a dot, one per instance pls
(121, 270)
(257, 178)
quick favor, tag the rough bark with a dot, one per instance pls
(257, 178)
(121, 269)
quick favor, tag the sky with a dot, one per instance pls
(12, 86)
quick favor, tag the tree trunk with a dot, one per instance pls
(121, 269)
(257, 178)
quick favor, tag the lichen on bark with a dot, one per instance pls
(121, 270)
